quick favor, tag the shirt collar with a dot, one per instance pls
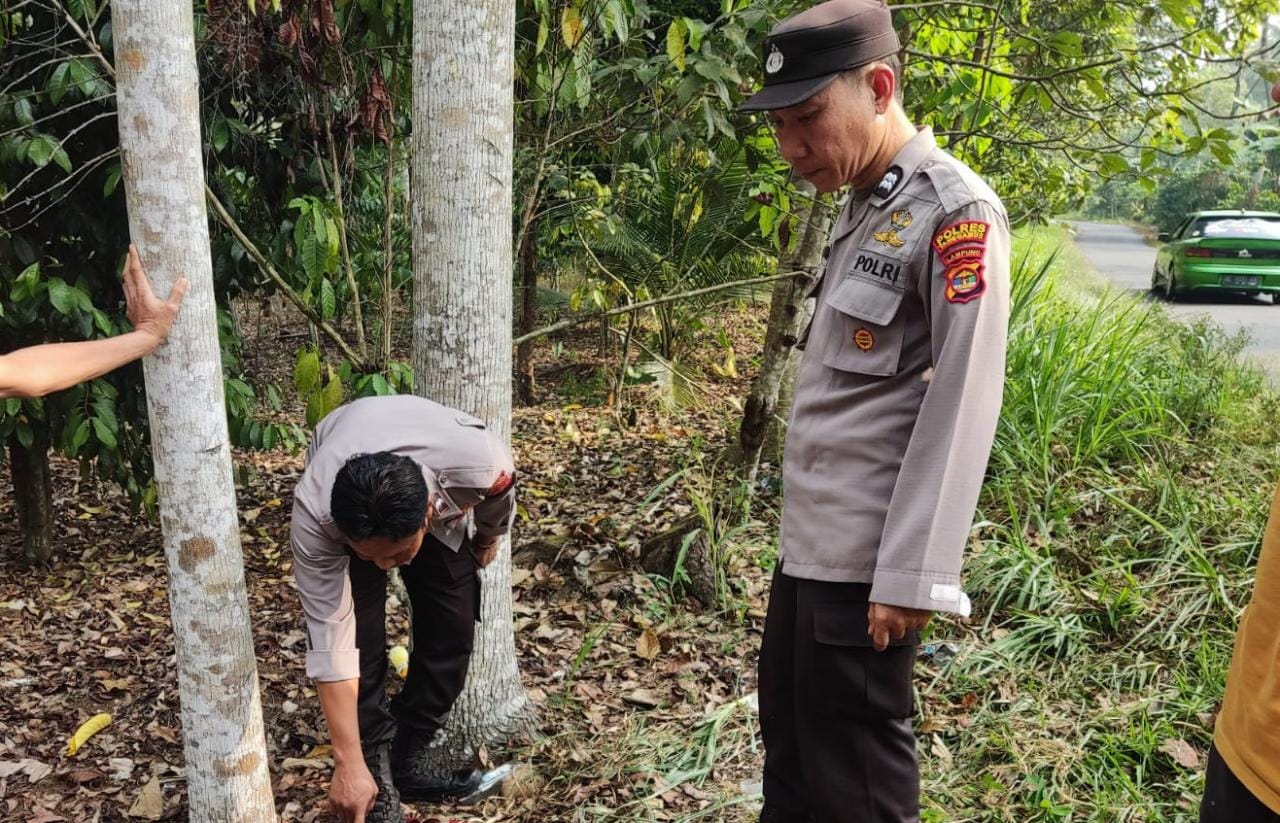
(904, 165)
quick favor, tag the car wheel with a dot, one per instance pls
(1275, 298)
(1170, 290)
(1155, 280)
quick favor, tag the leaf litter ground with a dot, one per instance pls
(645, 699)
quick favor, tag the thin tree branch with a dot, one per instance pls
(645, 304)
(265, 266)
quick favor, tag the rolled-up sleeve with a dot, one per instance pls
(320, 569)
(931, 512)
(495, 515)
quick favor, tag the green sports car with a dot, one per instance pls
(1233, 251)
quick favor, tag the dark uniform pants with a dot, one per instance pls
(834, 712)
(1227, 800)
(444, 595)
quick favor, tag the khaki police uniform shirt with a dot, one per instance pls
(900, 386)
(461, 461)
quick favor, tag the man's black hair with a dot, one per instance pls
(379, 495)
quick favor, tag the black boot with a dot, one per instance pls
(419, 782)
(386, 809)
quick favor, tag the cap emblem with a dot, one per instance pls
(773, 64)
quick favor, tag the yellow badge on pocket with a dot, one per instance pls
(899, 221)
(864, 339)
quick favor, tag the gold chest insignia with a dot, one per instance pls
(899, 221)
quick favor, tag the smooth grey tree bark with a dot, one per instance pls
(463, 75)
(159, 113)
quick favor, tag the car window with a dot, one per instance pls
(1178, 233)
(1238, 227)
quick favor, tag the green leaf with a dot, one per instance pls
(58, 84)
(219, 134)
(61, 296)
(25, 436)
(544, 31)
(676, 43)
(315, 409)
(328, 300)
(332, 394)
(306, 372)
(696, 29)
(113, 180)
(105, 435)
(80, 437)
(40, 150)
(83, 76)
(60, 157)
(22, 111)
(312, 254)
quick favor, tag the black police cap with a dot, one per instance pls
(807, 51)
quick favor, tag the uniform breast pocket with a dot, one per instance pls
(865, 332)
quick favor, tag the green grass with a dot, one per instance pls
(1119, 527)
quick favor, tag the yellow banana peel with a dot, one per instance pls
(87, 729)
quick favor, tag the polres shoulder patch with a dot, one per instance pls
(963, 247)
(502, 485)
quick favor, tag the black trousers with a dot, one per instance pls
(834, 712)
(444, 595)
(1227, 800)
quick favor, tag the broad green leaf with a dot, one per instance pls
(105, 435)
(25, 436)
(544, 30)
(60, 295)
(696, 29)
(676, 43)
(58, 83)
(328, 300)
(22, 111)
(80, 437)
(60, 157)
(313, 256)
(219, 135)
(306, 372)
(41, 150)
(113, 180)
(332, 394)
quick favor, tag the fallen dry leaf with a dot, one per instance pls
(648, 646)
(1182, 752)
(33, 769)
(150, 802)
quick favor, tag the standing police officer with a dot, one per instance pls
(894, 415)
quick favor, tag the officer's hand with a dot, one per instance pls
(148, 313)
(485, 549)
(885, 623)
(352, 792)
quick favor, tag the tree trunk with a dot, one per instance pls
(528, 307)
(461, 167)
(159, 115)
(33, 495)
(786, 314)
(776, 437)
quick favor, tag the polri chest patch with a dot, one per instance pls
(872, 266)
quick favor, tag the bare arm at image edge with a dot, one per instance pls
(39, 370)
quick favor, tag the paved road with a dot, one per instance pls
(1123, 256)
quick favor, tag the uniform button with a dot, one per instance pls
(444, 478)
